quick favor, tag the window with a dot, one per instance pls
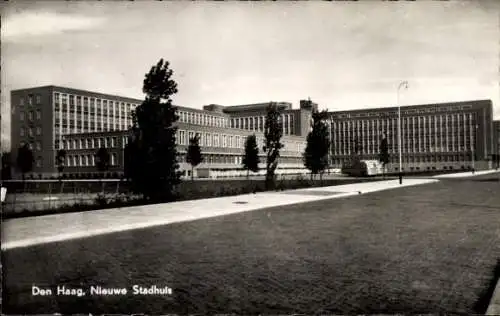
(74, 144)
(113, 142)
(89, 143)
(21, 100)
(39, 162)
(113, 159)
(38, 115)
(208, 140)
(30, 99)
(38, 146)
(21, 116)
(39, 130)
(38, 99)
(214, 140)
(30, 132)
(80, 143)
(30, 115)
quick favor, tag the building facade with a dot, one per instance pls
(457, 135)
(50, 118)
(43, 116)
(222, 133)
(496, 141)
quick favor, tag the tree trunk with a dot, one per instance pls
(100, 183)
(192, 174)
(248, 172)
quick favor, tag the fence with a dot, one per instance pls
(39, 195)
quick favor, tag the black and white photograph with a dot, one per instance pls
(250, 157)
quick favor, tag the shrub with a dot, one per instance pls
(281, 186)
(101, 200)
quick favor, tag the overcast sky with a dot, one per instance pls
(342, 55)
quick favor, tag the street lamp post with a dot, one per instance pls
(330, 149)
(403, 84)
(474, 149)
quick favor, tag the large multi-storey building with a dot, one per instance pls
(433, 136)
(222, 133)
(42, 116)
(51, 118)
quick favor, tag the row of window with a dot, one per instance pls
(37, 146)
(87, 104)
(203, 119)
(456, 119)
(67, 111)
(230, 141)
(93, 123)
(439, 108)
(30, 131)
(230, 159)
(88, 127)
(257, 123)
(87, 160)
(58, 115)
(423, 144)
(347, 149)
(30, 98)
(31, 115)
(424, 159)
(209, 158)
(254, 123)
(92, 143)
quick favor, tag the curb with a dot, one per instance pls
(494, 305)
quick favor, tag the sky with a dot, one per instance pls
(343, 55)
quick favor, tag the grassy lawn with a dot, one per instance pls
(424, 249)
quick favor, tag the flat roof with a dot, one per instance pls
(78, 91)
(406, 107)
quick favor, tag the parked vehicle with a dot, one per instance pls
(363, 168)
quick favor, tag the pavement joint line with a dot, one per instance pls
(138, 218)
